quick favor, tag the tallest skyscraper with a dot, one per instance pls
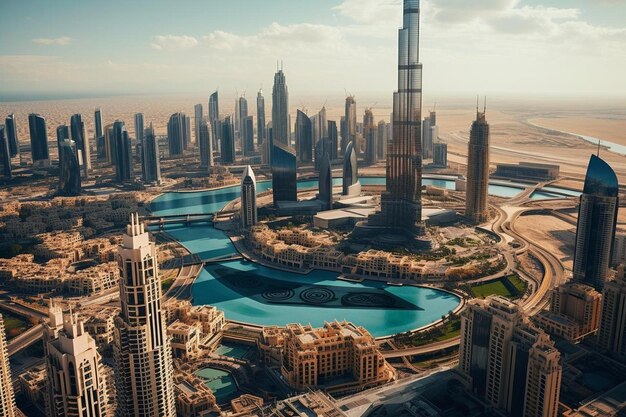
(401, 206)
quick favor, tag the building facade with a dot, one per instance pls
(260, 119)
(326, 183)
(5, 154)
(76, 382)
(351, 184)
(476, 202)
(227, 139)
(142, 351)
(7, 396)
(122, 149)
(205, 143)
(348, 133)
(38, 140)
(440, 154)
(247, 136)
(595, 231)
(69, 169)
(214, 119)
(248, 199)
(304, 138)
(280, 110)
(612, 333)
(177, 133)
(11, 133)
(284, 173)
(151, 160)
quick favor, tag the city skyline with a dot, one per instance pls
(313, 40)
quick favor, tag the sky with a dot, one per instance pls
(543, 47)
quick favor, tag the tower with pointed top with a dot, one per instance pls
(260, 119)
(280, 110)
(248, 198)
(143, 356)
(76, 384)
(476, 207)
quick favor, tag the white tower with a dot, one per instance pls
(143, 356)
(248, 198)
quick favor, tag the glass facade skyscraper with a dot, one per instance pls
(476, 207)
(284, 173)
(123, 152)
(214, 119)
(333, 139)
(38, 140)
(401, 205)
(176, 134)
(11, 134)
(260, 118)
(325, 194)
(227, 139)
(348, 133)
(248, 198)
(205, 144)
(247, 136)
(597, 217)
(151, 159)
(69, 169)
(5, 154)
(280, 110)
(77, 130)
(139, 132)
(351, 185)
(304, 138)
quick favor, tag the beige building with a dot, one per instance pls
(507, 361)
(7, 398)
(76, 383)
(574, 312)
(612, 334)
(185, 340)
(193, 397)
(208, 320)
(477, 187)
(100, 324)
(339, 356)
(33, 386)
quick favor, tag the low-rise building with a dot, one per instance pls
(185, 339)
(193, 397)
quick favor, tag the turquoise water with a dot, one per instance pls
(221, 383)
(565, 191)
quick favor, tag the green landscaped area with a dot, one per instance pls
(167, 283)
(14, 325)
(511, 286)
(452, 328)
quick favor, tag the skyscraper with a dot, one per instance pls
(284, 173)
(139, 131)
(349, 133)
(370, 132)
(109, 155)
(7, 398)
(5, 154)
(143, 356)
(214, 119)
(322, 123)
(151, 159)
(333, 139)
(381, 142)
(511, 364)
(612, 333)
(197, 120)
(247, 136)
(38, 140)
(11, 132)
(205, 143)
(241, 112)
(304, 137)
(325, 194)
(77, 130)
(260, 118)
(351, 184)
(248, 198)
(99, 135)
(76, 382)
(430, 132)
(69, 169)
(476, 208)
(63, 132)
(597, 217)
(440, 154)
(121, 147)
(401, 205)
(280, 110)
(176, 134)
(227, 141)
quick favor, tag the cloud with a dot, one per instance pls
(169, 42)
(62, 41)
(371, 11)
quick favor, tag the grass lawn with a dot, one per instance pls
(495, 287)
(451, 329)
(518, 283)
(14, 325)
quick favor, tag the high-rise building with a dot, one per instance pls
(38, 140)
(76, 381)
(513, 365)
(248, 198)
(597, 217)
(370, 133)
(333, 139)
(247, 136)
(260, 118)
(198, 117)
(69, 169)
(304, 137)
(63, 132)
(214, 119)
(401, 204)
(280, 110)
(121, 147)
(227, 138)
(77, 130)
(348, 134)
(325, 194)
(11, 133)
(205, 143)
(5, 154)
(284, 173)
(177, 134)
(151, 159)
(142, 351)
(440, 154)
(430, 132)
(7, 396)
(241, 112)
(109, 155)
(574, 312)
(139, 132)
(476, 207)
(351, 184)
(612, 333)
(381, 142)
(322, 123)
(99, 135)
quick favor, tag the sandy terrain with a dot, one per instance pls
(552, 234)
(610, 129)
